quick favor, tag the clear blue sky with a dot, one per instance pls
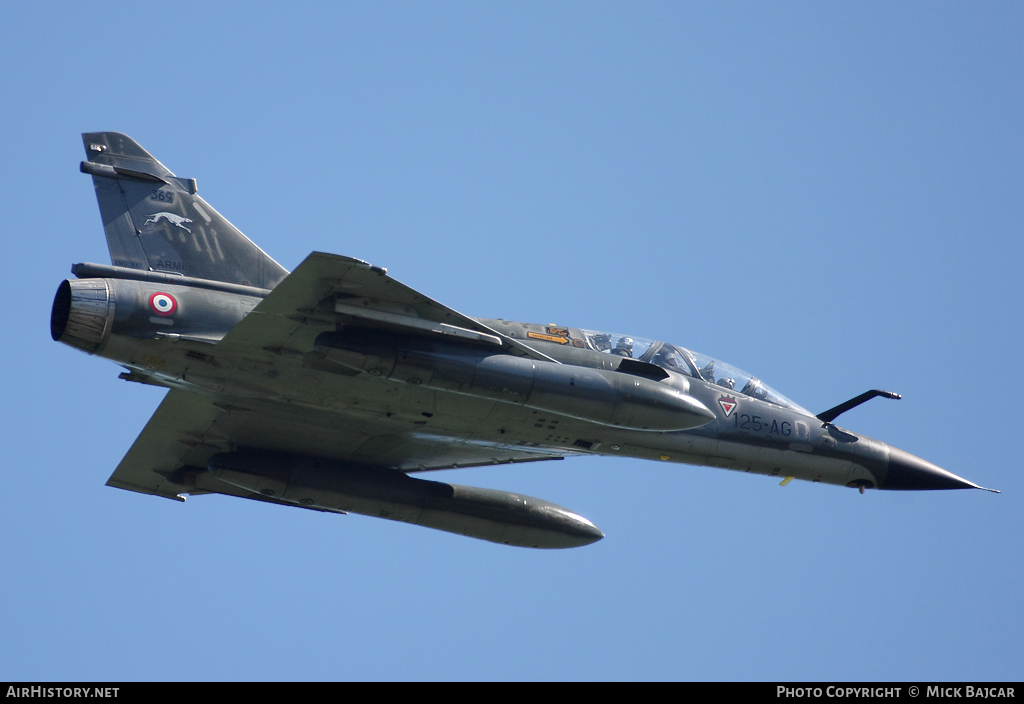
(828, 195)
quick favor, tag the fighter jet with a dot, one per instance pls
(328, 387)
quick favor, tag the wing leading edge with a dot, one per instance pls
(328, 288)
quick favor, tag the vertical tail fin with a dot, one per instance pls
(155, 221)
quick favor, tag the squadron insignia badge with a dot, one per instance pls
(172, 218)
(728, 404)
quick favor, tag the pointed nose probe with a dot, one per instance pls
(907, 472)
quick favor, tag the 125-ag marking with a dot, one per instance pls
(758, 424)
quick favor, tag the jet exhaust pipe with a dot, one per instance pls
(605, 397)
(487, 514)
(82, 314)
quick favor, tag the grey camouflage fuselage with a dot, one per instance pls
(326, 387)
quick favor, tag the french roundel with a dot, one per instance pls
(163, 303)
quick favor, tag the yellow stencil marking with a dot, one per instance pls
(549, 338)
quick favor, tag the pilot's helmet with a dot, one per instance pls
(727, 382)
(625, 344)
(673, 360)
(602, 341)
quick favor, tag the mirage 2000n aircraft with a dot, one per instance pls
(327, 387)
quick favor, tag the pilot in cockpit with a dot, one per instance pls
(671, 359)
(624, 347)
(707, 372)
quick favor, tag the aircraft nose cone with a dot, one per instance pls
(910, 472)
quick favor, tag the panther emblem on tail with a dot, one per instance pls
(171, 218)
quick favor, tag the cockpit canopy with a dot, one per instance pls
(693, 364)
